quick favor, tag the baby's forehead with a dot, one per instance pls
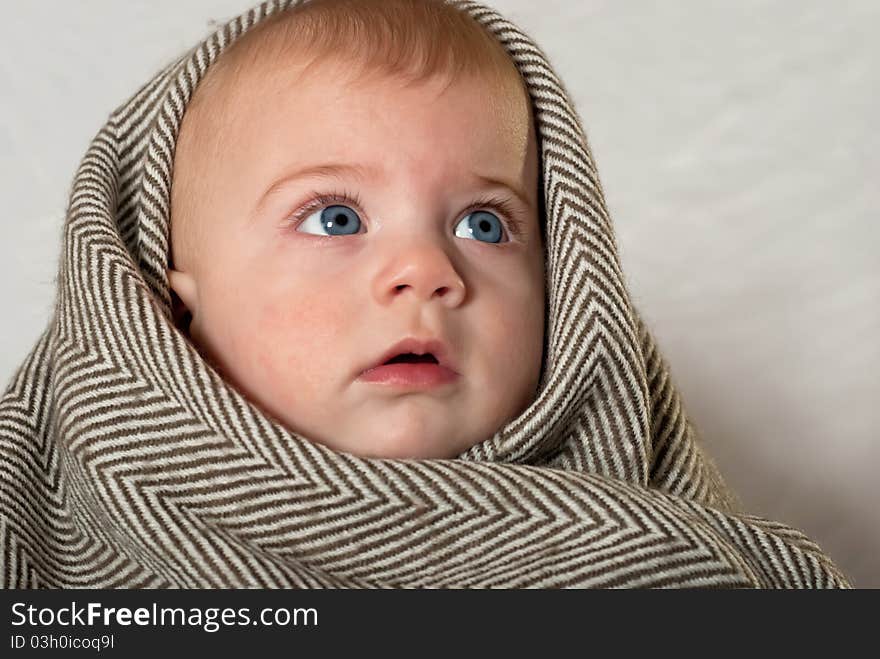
(243, 89)
(261, 75)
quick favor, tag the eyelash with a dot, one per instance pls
(498, 204)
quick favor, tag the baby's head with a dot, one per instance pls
(355, 180)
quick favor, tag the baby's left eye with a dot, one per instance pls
(481, 225)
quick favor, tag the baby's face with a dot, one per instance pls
(346, 222)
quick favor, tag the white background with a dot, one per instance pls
(738, 147)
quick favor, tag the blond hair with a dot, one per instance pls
(408, 39)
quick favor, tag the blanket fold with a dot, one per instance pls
(126, 460)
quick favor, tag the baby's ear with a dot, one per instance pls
(184, 297)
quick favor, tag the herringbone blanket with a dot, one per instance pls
(127, 461)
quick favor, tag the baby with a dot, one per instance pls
(356, 241)
(356, 244)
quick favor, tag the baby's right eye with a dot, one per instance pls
(333, 220)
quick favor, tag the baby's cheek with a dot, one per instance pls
(504, 334)
(513, 330)
(300, 335)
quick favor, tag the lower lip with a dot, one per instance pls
(410, 375)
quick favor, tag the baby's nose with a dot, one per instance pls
(426, 273)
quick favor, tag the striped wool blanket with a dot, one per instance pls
(128, 461)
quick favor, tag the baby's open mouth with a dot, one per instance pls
(412, 364)
(412, 358)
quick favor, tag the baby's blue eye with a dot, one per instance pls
(332, 221)
(481, 225)
(339, 220)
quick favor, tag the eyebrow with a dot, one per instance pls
(365, 172)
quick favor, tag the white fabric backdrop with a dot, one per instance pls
(738, 138)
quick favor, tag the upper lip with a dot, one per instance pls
(418, 347)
